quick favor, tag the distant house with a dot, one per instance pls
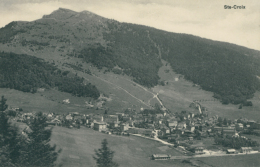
(99, 126)
(246, 149)
(66, 101)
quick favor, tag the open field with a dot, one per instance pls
(48, 101)
(78, 147)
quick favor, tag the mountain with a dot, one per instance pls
(229, 71)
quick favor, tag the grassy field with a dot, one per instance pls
(78, 148)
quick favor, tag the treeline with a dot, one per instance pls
(27, 73)
(229, 74)
(227, 70)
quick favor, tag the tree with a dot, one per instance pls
(9, 138)
(104, 156)
(3, 105)
(37, 151)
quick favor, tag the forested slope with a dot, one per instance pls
(27, 73)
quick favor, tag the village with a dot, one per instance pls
(192, 134)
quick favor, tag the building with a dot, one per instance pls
(246, 149)
(99, 126)
(114, 124)
(124, 127)
(190, 128)
(111, 118)
(172, 123)
(69, 117)
(161, 156)
(239, 126)
(231, 151)
(165, 130)
(198, 150)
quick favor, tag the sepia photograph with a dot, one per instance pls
(129, 83)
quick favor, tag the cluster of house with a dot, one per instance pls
(177, 128)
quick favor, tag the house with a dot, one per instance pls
(181, 125)
(111, 118)
(256, 126)
(239, 126)
(159, 116)
(161, 156)
(231, 151)
(66, 101)
(246, 149)
(97, 118)
(165, 130)
(69, 117)
(114, 124)
(198, 150)
(99, 126)
(190, 128)
(124, 127)
(251, 123)
(172, 123)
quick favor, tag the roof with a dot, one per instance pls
(199, 148)
(246, 148)
(231, 150)
(100, 123)
(161, 155)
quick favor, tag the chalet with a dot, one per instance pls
(161, 156)
(99, 126)
(246, 149)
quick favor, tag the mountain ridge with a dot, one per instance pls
(136, 51)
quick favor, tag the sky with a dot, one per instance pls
(204, 18)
